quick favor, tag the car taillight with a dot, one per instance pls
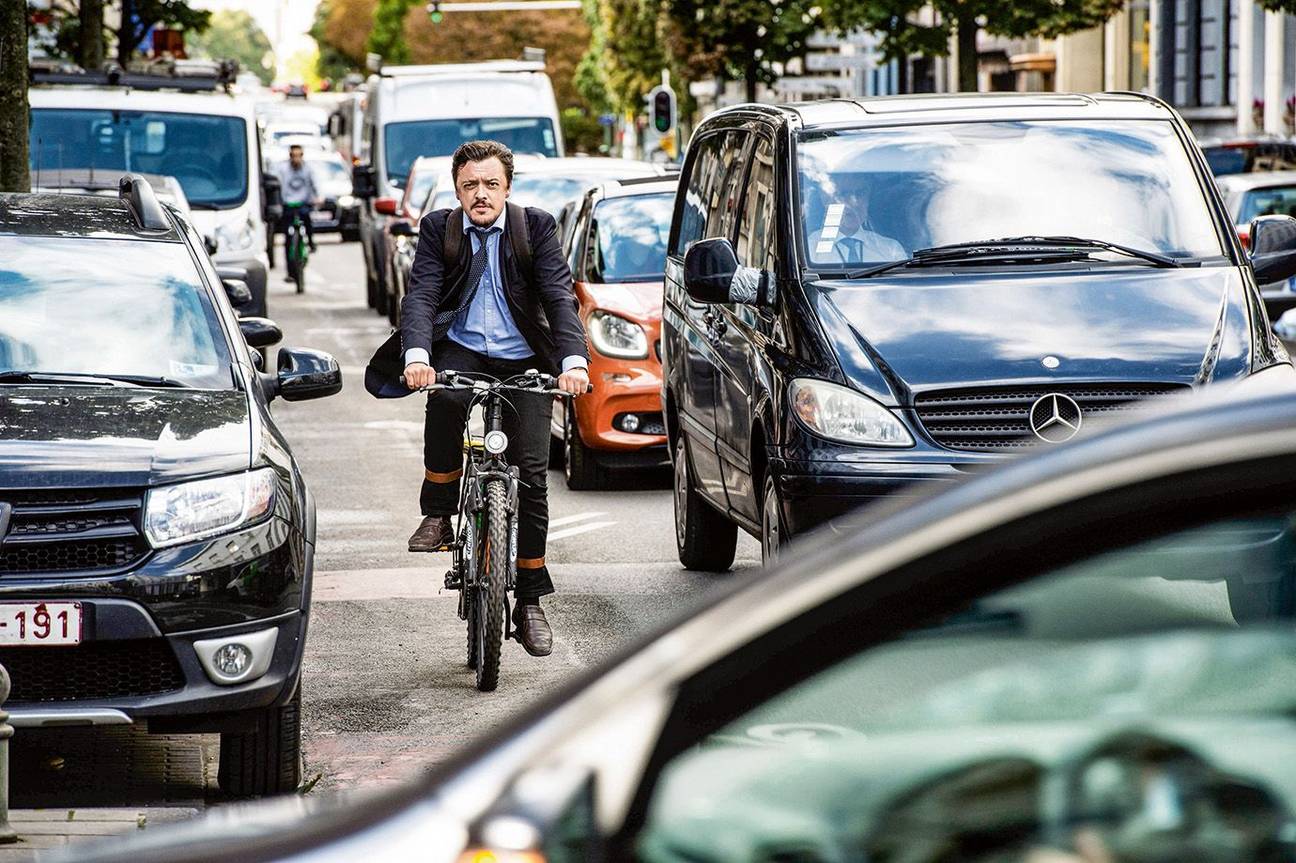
(1244, 234)
(385, 206)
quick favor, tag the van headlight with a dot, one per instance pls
(235, 237)
(176, 514)
(615, 336)
(841, 414)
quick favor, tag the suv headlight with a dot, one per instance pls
(176, 514)
(237, 237)
(614, 336)
(841, 414)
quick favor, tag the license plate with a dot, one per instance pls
(43, 623)
(320, 216)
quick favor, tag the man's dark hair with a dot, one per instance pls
(296, 147)
(477, 151)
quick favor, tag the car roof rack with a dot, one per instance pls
(186, 76)
(143, 204)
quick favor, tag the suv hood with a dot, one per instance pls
(898, 336)
(95, 436)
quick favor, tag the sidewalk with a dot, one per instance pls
(42, 829)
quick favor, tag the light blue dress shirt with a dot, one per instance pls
(487, 325)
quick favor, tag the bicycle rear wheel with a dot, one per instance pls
(492, 580)
(302, 254)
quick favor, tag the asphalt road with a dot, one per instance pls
(387, 692)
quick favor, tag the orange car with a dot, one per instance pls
(617, 252)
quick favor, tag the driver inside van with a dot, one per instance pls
(847, 236)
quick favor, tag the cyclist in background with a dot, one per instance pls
(300, 194)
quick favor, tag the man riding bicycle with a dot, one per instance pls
(486, 311)
(300, 195)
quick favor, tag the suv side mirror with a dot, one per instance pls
(1273, 248)
(712, 274)
(306, 374)
(272, 196)
(260, 332)
(362, 181)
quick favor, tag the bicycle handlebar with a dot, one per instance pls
(534, 382)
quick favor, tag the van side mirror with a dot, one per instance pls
(272, 198)
(712, 274)
(306, 374)
(238, 292)
(1273, 248)
(362, 181)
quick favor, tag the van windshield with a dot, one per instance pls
(878, 195)
(414, 138)
(206, 153)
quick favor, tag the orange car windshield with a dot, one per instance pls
(631, 232)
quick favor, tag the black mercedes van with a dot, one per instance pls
(156, 536)
(864, 296)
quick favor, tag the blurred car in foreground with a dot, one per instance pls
(617, 254)
(158, 536)
(1250, 196)
(167, 189)
(1014, 668)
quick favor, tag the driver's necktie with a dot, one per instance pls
(442, 322)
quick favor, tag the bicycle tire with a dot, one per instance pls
(492, 580)
(470, 594)
(302, 256)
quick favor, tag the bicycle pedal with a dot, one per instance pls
(452, 581)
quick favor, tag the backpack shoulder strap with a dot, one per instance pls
(520, 238)
(453, 238)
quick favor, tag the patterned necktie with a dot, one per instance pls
(442, 322)
(850, 249)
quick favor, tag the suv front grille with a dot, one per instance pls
(997, 419)
(72, 531)
(91, 670)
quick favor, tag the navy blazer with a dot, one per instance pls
(545, 313)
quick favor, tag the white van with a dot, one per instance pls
(206, 140)
(413, 111)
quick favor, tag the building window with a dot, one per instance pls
(1200, 52)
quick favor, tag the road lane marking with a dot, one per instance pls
(572, 519)
(579, 529)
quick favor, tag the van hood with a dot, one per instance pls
(898, 336)
(71, 436)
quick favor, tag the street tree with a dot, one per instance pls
(234, 34)
(90, 21)
(387, 38)
(1288, 6)
(333, 63)
(139, 16)
(14, 176)
(741, 40)
(961, 19)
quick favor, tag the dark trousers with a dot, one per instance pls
(526, 422)
(286, 221)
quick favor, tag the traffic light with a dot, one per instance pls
(434, 11)
(661, 109)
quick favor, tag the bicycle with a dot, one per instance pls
(484, 562)
(296, 249)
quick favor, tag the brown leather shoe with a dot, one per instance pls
(434, 534)
(533, 630)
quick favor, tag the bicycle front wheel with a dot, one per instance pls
(492, 581)
(302, 254)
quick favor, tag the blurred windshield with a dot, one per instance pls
(632, 234)
(1132, 706)
(1275, 200)
(550, 192)
(206, 153)
(876, 195)
(407, 141)
(108, 307)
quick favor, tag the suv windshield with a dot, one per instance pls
(206, 153)
(108, 307)
(878, 195)
(632, 236)
(409, 140)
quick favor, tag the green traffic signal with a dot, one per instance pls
(663, 111)
(436, 17)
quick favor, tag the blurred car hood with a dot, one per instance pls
(640, 300)
(71, 435)
(896, 336)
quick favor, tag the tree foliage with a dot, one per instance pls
(333, 62)
(234, 34)
(387, 38)
(1288, 6)
(140, 16)
(740, 39)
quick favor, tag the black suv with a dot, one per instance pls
(865, 295)
(156, 536)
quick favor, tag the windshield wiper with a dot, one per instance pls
(10, 376)
(1012, 249)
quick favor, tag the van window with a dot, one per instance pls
(714, 178)
(409, 140)
(208, 154)
(756, 231)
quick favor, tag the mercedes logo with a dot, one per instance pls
(1055, 418)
